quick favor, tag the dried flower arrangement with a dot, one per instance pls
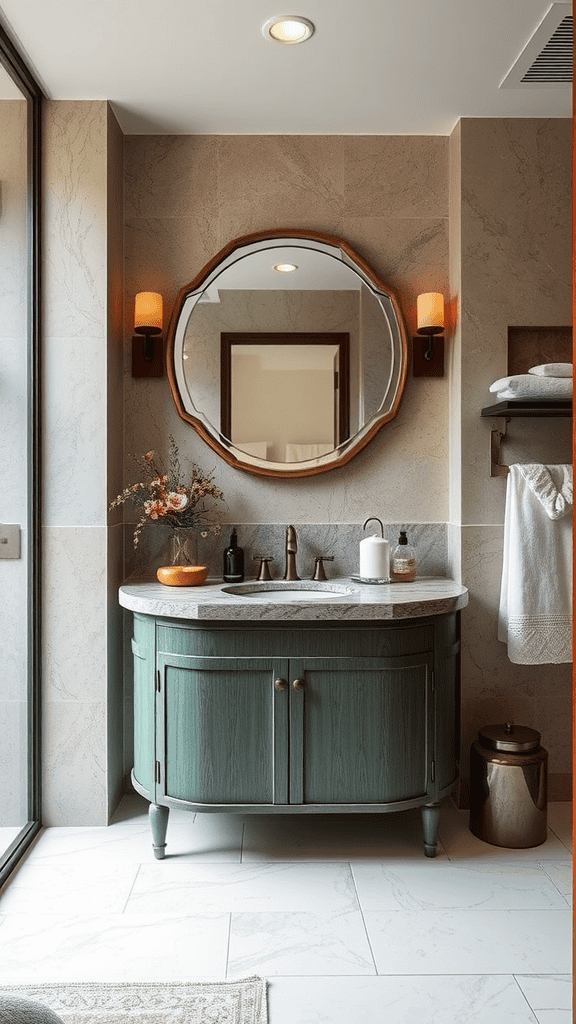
(166, 498)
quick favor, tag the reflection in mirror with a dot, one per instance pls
(287, 374)
(290, 389)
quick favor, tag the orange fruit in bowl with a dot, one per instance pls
(182, 575)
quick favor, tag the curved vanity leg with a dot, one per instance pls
(158, 823)
(430, 823)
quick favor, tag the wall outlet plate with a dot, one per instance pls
(9, 541)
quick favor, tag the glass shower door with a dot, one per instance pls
(19, 521)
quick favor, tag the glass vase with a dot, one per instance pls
(183, 547)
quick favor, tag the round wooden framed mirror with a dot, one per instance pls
(287, 353)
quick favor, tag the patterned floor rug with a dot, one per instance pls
(234, 1002)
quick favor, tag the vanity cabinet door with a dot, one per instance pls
(222, 729)
(360, 729)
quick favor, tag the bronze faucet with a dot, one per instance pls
(291, 549)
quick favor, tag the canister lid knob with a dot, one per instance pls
(515, 739)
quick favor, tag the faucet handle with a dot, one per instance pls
(263, 571)
(319, 573)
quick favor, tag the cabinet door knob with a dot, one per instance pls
(279, 684)
(298, 684)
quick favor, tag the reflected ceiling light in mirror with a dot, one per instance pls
(428, 351)
(147, 357)
(288, 29)
(285, 268)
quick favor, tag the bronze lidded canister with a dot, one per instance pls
(508, 774)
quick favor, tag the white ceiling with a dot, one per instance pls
(204, 67)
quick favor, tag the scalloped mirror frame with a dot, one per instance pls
(234, 456)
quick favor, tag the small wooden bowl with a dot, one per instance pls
(182, 575)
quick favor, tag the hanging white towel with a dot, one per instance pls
(535, 617)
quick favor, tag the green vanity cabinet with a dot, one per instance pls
(287, 717)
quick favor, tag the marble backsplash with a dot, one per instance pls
(340, 540)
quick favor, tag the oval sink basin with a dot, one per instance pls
(288, 590)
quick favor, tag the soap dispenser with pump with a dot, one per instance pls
(403, 568)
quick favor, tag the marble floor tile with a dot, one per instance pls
(547, 991)
(461, 844)
(560, 873)
(68, 889)
(560, 821)
(173, 888)
(189, 839)
(396, 1000)
(446, 885)
(341, 837)
(473, 941)
(122, 947)
(302, 944)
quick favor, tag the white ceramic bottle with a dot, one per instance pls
(403, 560)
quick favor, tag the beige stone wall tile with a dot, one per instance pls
(74, 430)
(74, 614)
(410, 254)
(74, 215)
(74, 763)
(115, 314)
(279, 181)
(171, 176)
(396, 176)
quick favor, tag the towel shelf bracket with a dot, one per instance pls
(496, 439)
(510, 410)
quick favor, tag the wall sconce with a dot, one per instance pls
(147, 348)
(428, 350)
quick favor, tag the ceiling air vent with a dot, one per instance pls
(546, 60)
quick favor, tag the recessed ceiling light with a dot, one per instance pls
(285, 268)
(288, 29)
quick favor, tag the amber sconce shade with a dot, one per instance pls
(428, 348)
(147, 347)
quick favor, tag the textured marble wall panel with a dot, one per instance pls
(14, 762)
(279, 181)
(74, 431)
(494, 689)
(395, 175)
(341, 540)
(74, 788)
(74, 614)
(74, 213)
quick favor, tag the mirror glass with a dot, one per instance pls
(287, 372)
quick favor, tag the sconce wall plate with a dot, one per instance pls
(435, 366)
(142, 367)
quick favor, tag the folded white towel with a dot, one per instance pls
(552, 370)
(527, 385)
(535, 617)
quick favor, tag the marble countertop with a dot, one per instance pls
(425, 596)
